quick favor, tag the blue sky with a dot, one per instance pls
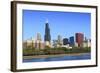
(65, 24)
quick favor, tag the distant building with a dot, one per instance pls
(24, 44)
(66, 46)
(59, 41)
(38, 41)
(55, 42)
(79, 39)
(65, 41)
(47, 36)
(39, 36)
(89, 43)
(47, 44)
(71, 41)
(76, 44)
(85, 42)
(33, 43)
(42, 45)
(30, 43)
(37, 44)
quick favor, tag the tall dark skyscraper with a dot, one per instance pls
(47, 36)
(65, 41)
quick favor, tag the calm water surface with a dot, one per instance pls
(61, 58)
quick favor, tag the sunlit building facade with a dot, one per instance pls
(79, 39)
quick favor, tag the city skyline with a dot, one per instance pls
(59, 23)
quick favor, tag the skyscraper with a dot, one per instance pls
(65, 41)
(60, 41)
(38, 41)
(71, 41)
(39, 36)
(47, 36)
(79, 39)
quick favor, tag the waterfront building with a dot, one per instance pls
(55, 42)
(76, 44)
(47, 36)
(79, 39)
(38, 41)
(24, 44)
(33, 43)
(29, 43)
(85, 42)
(66, 46)
(59, 41)
(89, 42)
(71, 41)
(37, 44)
(39, 36)
(65, 41)
(42, 45)
(47, 44)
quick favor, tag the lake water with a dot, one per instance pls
(61, 58)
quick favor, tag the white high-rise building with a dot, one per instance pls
(39, 44)
(59, 41)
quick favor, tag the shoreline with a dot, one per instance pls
(48, 56)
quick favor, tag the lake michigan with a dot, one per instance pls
(60, 58)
